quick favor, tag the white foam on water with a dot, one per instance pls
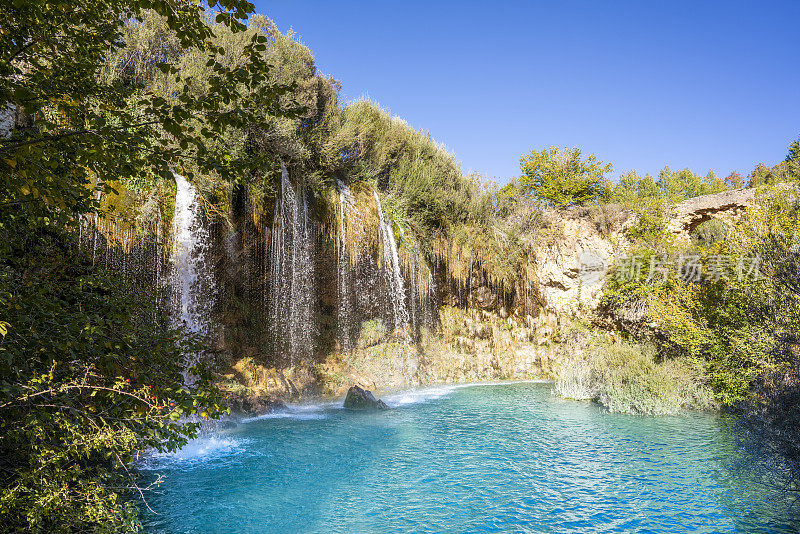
(416, 396)
(300, 412)
(321, 410)
(200, 449)
(300, 416)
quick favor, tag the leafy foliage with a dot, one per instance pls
(732, 320)
(90, 374)
(88, 380)
(560, 177)
(785, 171)
(76, 129)
(423, 176)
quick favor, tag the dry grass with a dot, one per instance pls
(576, 380)
(626, 378)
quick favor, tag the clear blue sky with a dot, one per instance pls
(704, 85)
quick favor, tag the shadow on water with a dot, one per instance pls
(758, 479)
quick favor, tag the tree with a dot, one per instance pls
(794, 151)
(734, 180)
(647, 187)
(506, 200)
(561, 178)
(761, 175)
(77, 130)
(626, 189)
(713, 184)
(89, 372)
(679, 185)
(785, 171)
(792, 163)
(89, 380)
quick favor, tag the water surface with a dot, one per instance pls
(486, 458)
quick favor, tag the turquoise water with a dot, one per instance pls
(485, 458)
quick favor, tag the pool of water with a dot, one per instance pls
(483, 458)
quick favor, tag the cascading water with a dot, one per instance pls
(291, 280)
(424, 291)
(391, 262)
(414, 289)
(192, 283)
(345, 274)
(135, 253)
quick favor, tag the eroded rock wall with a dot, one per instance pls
(571, 271)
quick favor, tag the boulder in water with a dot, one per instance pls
(360, 399)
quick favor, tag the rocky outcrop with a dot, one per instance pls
(360, 399)
(571, 270)
(12, 117)
(687, 215)
(571, 266)
(7, 120)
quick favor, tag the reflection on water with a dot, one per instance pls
(495, 458)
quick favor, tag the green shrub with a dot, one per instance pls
(626, 378)
(576, 380)
(710, 232)
(91, 376)
(632, 382)
(561, 178)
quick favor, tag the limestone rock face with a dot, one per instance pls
(571, 271)
(360, 399)
(687, 215)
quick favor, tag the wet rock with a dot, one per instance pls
(360, 399)
(485, 298)
(255, 404)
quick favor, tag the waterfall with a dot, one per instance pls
(291, 281)
(414, 288)
(391, 262)
(134, 252)
(345, 272)
(192, 281)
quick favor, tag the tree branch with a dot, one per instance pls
(21, 50)
(63, 388)
(56, 137)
